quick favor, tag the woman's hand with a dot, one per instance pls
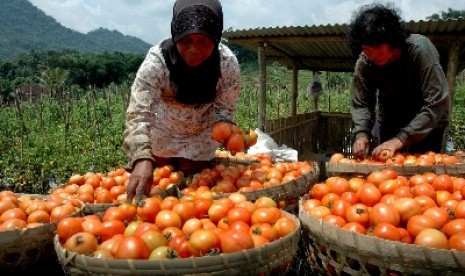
(393, 145)
(361, 147)
(140, 180)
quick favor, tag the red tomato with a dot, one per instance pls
(426, 202)
(148, 209)
(234, 240)
(338, 185)
(168, 218)
(387, 231)
(310, 203)
(129, 211)
(143, 227)
(265, 229)
(335, 220)
(431, 237)
(369, 194)
(185, 210)
(203, 241)
(110, 228)
(339, 208)
(61, 212)
(376, 177)
(442, 182)
(285, 226)
(92, 226)
(263, 214)
(132, 247)
(320, 211)
(423, 189)
(217, 211)
(407, 207)
(68, 227)
(403, 191)
(350, 197)
(388, 186)
(382, 212)
(81, 243)
(16, 212)
(38, 216)
(181, 245)
(113, 212)
(441, 215)
(319, 190)
(418, 223)
(201, 206)
(153, 239)
(355, 227)
(454, 226)
(111, 245)
(239, 214)
(457, 241)
(358, 213)
(405, 235)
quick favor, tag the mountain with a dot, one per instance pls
(24, 27)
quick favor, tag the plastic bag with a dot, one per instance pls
(266, 145)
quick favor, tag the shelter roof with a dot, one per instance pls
(323, 47)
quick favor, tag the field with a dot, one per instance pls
(69, 130)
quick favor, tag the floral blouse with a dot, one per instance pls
(158, 125)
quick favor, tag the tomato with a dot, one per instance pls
(13, 213)
(339, 185)
(68, 227)
(239, 225)
(13, 223)
(431, 237)
(38, 216)
(389, 199)
(112, 213)
(384, 155)
(185, 210)
(407, 207)
(129, 211)
(355, 183)
(132, 247)
(442, 197)
(191, 225)
(110, 228)
(111, 245)
(459, 210)
(443, 182)
(405, 235)
(454, 226)
(153, 239)
(441, 215)
(457, 241)
(5, 205)
(181, 245)
(319, 190)
(148, 209)
(320, 211)
(263, 214)
(265, 229)
(426, 202)
(265, 201)
(335, 220)
(163, 252)
(235, 143)
(369, 194)
(221, 131)
(387, 231)
(329, 199)
(417, 179)
(203, 241)
(376, 177)
(355, 227)
(285, 226)
(145, 226)
(131, 227)
(92, 226)
(418, 223)
(388, 186)
(358, 213)
(217, 211)
(259, 240)
(168, 218)
(81, 243)
(310, 203)
(339, 208)
(102, 196)
(424, 189)
(403, 191)
(382, 212)
(234, 240)
(61, 212)
(168, 202)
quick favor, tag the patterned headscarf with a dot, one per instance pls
(197, 16)
(194, 85)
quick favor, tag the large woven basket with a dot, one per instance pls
(335, 251)
(21, 248)
(270, 259)
(341, 169)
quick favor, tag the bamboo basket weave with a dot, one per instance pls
(21, 248)
(335, 251)
(270, 259)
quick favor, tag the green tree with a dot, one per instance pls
(449, 14)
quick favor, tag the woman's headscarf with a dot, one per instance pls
(194, 85)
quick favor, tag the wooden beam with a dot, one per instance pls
(295, 77)
(261, 87)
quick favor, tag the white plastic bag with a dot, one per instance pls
(266, 145)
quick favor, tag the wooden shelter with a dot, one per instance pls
(323, 48)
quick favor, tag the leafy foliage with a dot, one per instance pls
(450, 13)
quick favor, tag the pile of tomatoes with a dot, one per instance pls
(232, 138)
(398, 159)
(425, 209)
(110, 188)
(194, 225)
(26, 211)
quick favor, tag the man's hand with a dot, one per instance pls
(393, 145)
(140, 180)
(361, 147)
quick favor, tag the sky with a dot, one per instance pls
(150, 20)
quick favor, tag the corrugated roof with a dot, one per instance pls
(324, 48)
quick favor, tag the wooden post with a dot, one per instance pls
(295, 74)
(451, 75)
(261, 86)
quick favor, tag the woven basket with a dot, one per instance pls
(347, 169)
(270, 259)
(335, 251)
(21, 248)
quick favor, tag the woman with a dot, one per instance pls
(400, 72)
(185, 85)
